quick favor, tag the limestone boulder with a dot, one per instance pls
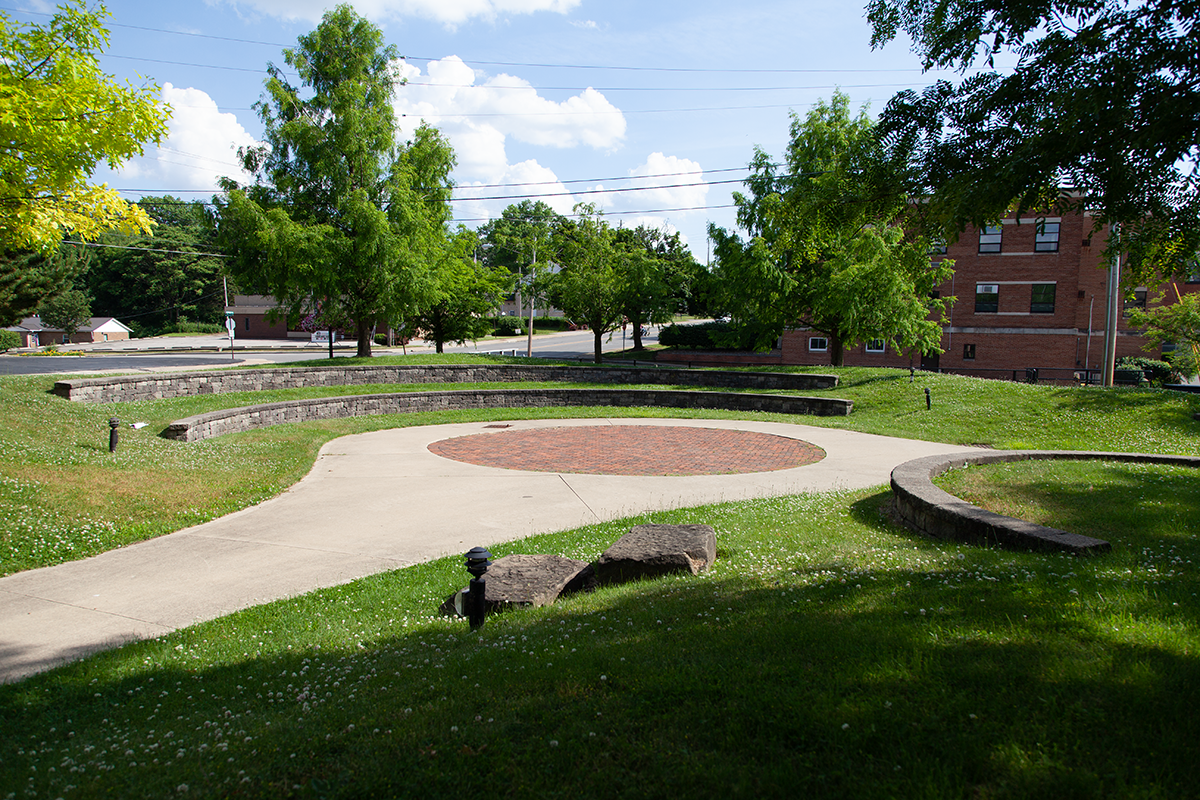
(527, 580)
(649, 551)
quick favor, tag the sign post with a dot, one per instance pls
(231, 326)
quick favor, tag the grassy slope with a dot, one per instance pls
(827, 653)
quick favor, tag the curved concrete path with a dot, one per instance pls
(374, 502)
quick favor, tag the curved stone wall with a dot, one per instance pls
(231, 420)
(132, 388)
(927, 509)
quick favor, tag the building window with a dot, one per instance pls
(968, 352)
(987, 298)
(875, 346)
(937, 247)
(989, 238)
(1046, 240)
(818, 344)
(1138, 300)
(1043, 299)
(247, 323)
(1193, 272)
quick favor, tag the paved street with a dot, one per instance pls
(208, 352)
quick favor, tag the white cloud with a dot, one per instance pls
(526, 178)
(200, 147)
(448, 12)
(664, 182)
(479, 114)
(451, 98)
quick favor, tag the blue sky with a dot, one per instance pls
(662, 102)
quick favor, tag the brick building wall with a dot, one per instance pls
(1025, 299)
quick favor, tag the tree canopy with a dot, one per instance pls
(827, 246)
(1176, 324)
(67, 311)
(464, 291)
(155, 282)
(60, 115)
(340, 216)
(656, 271)
(588, 286)
(1102, 101)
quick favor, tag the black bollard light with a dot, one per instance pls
(478, 561)
(113, 424)
(928, 401)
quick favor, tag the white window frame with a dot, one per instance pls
(875, 346)
(812, 348)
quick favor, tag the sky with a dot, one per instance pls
(650, 110)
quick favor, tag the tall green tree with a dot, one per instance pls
(340, 215)
(159, 281)
(657, 272)
(60, 115)
(27, 278)
(522, 240)
(464, 291)
(1174, 323)
(589, 284)
(827, 246)
(1102, 100)
(67, 311)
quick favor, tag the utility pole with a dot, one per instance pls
(532, 271)
(1112, 317)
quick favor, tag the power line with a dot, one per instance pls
(148, 249)
(532, 65)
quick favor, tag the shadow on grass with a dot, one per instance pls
(820, 680)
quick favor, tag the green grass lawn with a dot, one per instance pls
(827, 653)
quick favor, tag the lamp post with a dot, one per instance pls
(478, 561)
(113, 425)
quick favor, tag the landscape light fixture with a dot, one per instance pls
(478, 561)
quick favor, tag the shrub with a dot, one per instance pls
(716, 335)
(1157, 372)
(9, 340)
(507, 326)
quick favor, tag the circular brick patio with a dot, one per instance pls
(631, 450)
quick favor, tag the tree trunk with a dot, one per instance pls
(599, 345)
(837, 352)
(636, 321)
(364, 339)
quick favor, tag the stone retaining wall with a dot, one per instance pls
(927, 509)
(131, 388)
(232, 420)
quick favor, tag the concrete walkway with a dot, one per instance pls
(375, 502)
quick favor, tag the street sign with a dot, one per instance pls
(230, 325)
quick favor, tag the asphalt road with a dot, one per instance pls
(145, 355)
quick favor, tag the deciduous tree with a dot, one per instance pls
(1102, 100)
(153, 282)
(464, 291)
(60, 115)
(340, 215)
(827, 247)
(1174, 323)
(67, 311)
(588, 285)
(656, 271)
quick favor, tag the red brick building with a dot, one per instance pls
(1027, 297)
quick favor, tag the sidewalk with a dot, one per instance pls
(375, 502)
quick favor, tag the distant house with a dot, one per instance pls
(250, 312)
(97, 329)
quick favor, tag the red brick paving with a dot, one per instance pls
(631, 450)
